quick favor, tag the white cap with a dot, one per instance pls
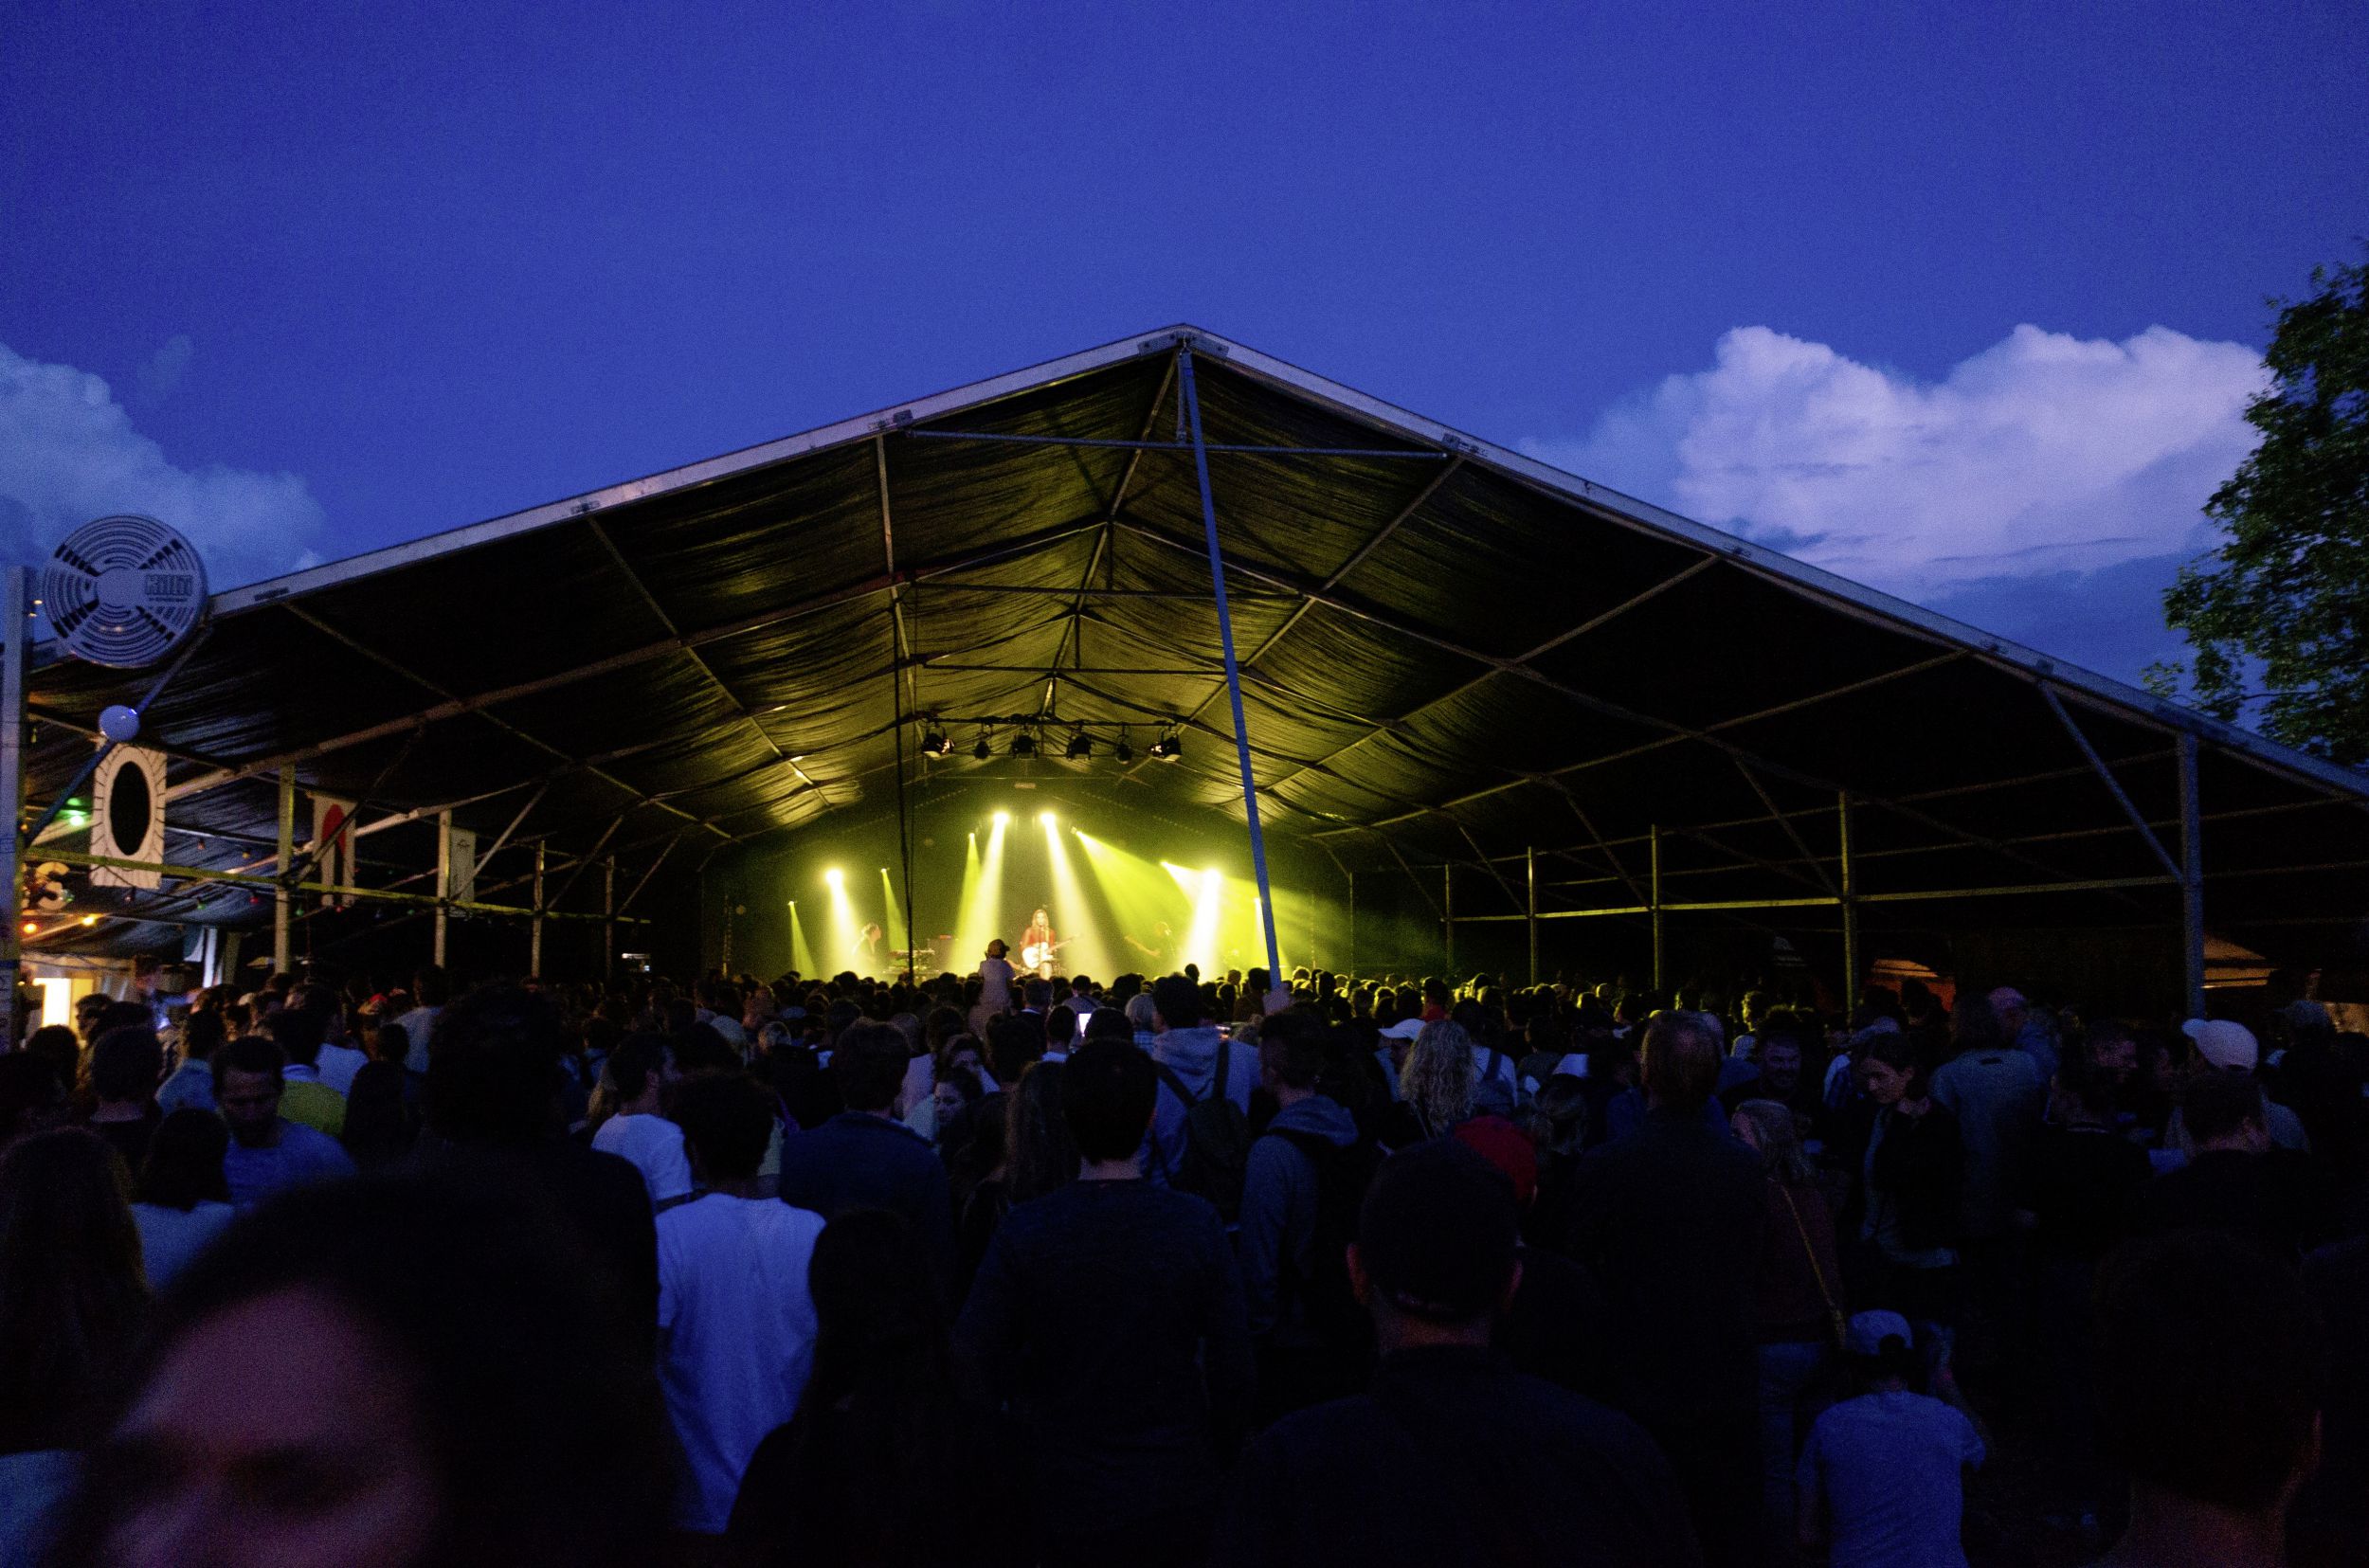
(1405, 1029)
(2224, 1042)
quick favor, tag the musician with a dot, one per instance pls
(1040, 936)
(1160, 952)
(867, 948)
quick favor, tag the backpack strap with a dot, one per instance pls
(1176, 1086)
(1225, 1047)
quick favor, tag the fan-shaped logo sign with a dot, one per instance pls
(123, 591)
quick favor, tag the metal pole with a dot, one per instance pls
(1653, 836)
(281, 898)
(534, 930)
(15, 592)
(1233, 672)
(443, 878)
(1352, 876)
(1447, 917)
(2191, 879)
(1850, 910)
(1530, 865)
(608, 924)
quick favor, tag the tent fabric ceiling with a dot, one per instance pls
(1447, 652)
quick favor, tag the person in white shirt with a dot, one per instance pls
(637, 1072)
(995, 979)
(736, 1321)
(429, 993)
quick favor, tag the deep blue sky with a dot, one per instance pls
(445, 262)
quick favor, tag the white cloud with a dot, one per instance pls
(68, 452)
(2043, 453)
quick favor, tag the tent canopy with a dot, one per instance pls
(1450, 653)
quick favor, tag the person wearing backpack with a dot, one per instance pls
(1200, 1137)
(1302, 1182)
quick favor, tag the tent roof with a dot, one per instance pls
(1449, 651)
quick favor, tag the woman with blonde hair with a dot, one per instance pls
(1438, 1080)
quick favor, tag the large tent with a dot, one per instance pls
(1531, 698)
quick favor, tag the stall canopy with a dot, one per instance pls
(1450, 653)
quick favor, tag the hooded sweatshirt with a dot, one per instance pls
(1192, 1055)
(1279, 1210)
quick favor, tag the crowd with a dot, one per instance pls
(1175, 1270)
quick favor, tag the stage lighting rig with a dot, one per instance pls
(983, 750)
(1024, 745)
(1124, 752)
(935, 742)
(1081, 747)
(1168, 747)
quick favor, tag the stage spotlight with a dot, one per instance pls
(1024, 745)
(832, 876)
(1045, 816)
(935, 742)
(1168, 749)
(1124, 752)
(1001, 819)
(982, 751)
(1080, 747)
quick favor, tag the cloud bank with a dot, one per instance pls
(2045, 462)
(68, 452)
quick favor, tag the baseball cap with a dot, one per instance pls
(1505, 1146)
(1869, 1330)
(1405, 1029)
(2224, 1042)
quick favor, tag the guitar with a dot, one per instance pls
(1038, 954)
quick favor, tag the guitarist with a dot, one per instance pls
(1037, 944)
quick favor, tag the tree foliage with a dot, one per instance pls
(2278, 616)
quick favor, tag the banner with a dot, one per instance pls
(127, 819)
(333, 825)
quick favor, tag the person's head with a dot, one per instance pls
(184, 1163)
(1036, 917)
(2224, 1043)
(2009, 1007)
(71, 1288)
(390, 1042)
(1780, 1065)
(1109, 1023)
(877, 1306)
(954, 1090)
(60, 1047)
(996, 948)
(1768, 1128)
(1013, 1043)
(1879, 1349)
(1440, 1078)
(247, 1082)
(299, 1032)
(1975, 1027)
(1060, 1027)
(429, 986)
(1681, 1064)
(494, 1072)
(637, 1072)
(2223, 1111)
(1563, 1101)
(1292, 1054)
(1435, 1255)
(727, 1122)
(423, 1370)
(125, 1065)
(201, 1036)
(869, 1063)
(1107, 1094)
(31, 1097)
(2206, 1371)
(1890, 1071)
(87, 1011)
(2113, 1049)
(1143, 1013)
(1176, 1003)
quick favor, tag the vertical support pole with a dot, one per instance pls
(2191, 879)
(1352, 965)
(534, 928)
(1447, 919)
(1191, 395)
(281, 898)
(1530, 867)
(608, 926)
(444, 880)
(1850, 909)
(1653, 898)
(15, 613)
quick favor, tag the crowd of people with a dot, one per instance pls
(1175, 1269)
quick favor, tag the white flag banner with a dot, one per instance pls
(462, 883)
(127, 819)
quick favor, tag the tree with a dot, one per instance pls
(2285, 601)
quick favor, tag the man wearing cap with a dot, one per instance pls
(1452, 1456)
(2230, 1046)
(1882, 1477)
